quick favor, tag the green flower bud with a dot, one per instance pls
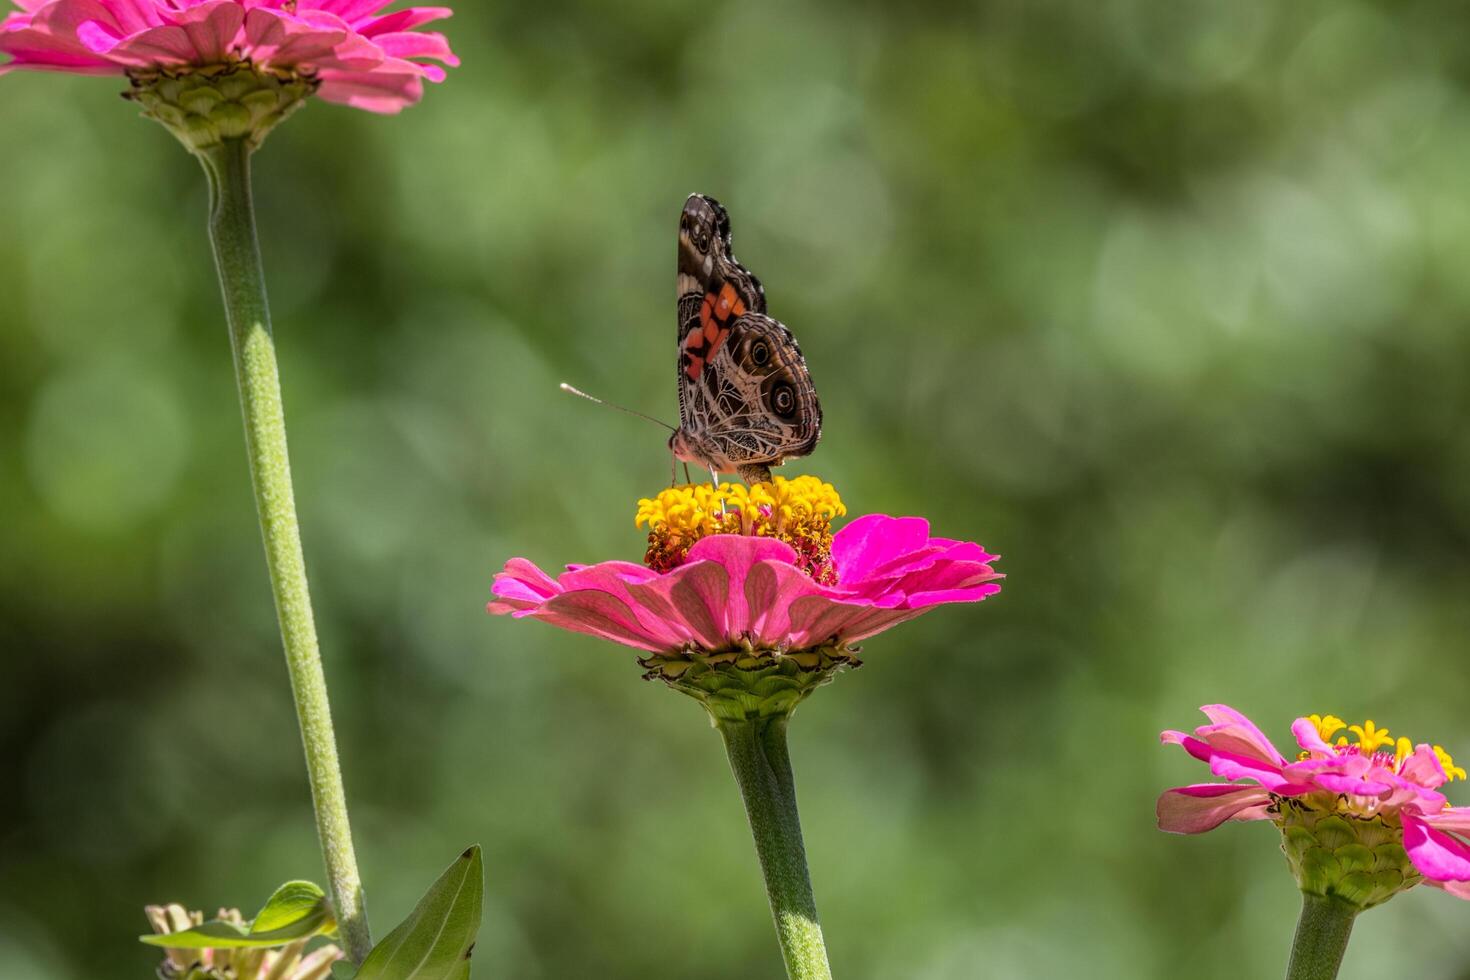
(205, 106)
(1336, 853)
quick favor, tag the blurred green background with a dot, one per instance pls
(1164, 300)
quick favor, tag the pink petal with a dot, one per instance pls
(132, 16)
(371, 91)
(866, 543)
(737, 549)
(1459, 889)
(63, 17)
(818, 618)
(1453, 819)
(349, 10)
(278, 38)
(1352, 785)
(37, 49)
(598, 614)
(403, 20)
(620, 580)
(1230, 765)
(771, 588)
(1309, 738)
(974, 593)
(212, 29)
(534, 578)
(1437, 855)
(417, 45)
(1423, 767)
(1205, 806)
(1234, 732)
(1407, 792)
(156, 46)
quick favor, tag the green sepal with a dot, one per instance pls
(296, 910)
(435, 941)
(749, 682)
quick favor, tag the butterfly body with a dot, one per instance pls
(746, 400)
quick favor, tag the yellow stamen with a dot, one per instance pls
(798, 511)
(1370, 737)
(1326, 725)
(1402, 750)
(1447, 763)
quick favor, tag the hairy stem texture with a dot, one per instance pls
(242, 283)
(1321, 938)
(762, 767)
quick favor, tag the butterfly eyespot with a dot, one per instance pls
(783, 399)
(760, 354)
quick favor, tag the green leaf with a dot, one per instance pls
(297, 910)
(214, 934)
(435, 941)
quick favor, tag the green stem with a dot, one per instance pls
(242, 282)
(1321, 938)
(757, 750)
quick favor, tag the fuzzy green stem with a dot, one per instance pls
(1321, 938)
(757, 750)
(242, 282)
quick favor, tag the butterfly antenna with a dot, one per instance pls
(591, 398)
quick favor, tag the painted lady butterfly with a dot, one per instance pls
(746, 401)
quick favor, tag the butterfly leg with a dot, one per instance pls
(687, 477)
(714, 482)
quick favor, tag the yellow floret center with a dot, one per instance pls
(798, 511)
(1371, 738)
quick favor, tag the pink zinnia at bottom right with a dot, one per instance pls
(1360, 820)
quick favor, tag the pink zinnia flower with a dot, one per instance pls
(756, 574)
(1349, 812)
(357, 54)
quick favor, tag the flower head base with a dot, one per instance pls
(1361, 819)
(205, 107)
(285, 963)
(1342, 855)
(347, 50)
(747, 683)
(797, 511)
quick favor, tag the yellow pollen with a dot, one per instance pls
(1327, 725)
(700, 509)
(798, 511)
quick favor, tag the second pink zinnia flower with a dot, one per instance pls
(1360, 820)
(354, 52)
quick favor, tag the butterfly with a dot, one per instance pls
(746, 400)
